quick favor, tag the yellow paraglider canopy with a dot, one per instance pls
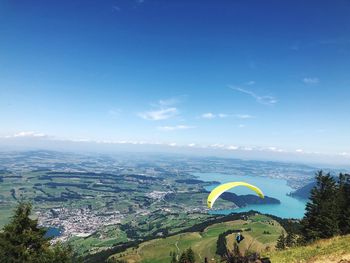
(217, 191)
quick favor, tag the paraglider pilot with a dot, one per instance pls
(239, 237)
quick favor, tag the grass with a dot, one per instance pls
(100, 240)
(323, 251)
(204, 244)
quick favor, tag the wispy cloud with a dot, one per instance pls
(169, 102)
(173, 128)
(116, 8)
(223, 115)
(161, 114)
(165, 110)
(208, 115)
(27, 134)
(266, 99)
(311, 80)
(244, 116)
(232, 147)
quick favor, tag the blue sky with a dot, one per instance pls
(246, 74)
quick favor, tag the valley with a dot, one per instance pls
(100, 201)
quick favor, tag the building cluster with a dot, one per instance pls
(81, 222)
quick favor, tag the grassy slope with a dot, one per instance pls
(322, 251)
(204, 244)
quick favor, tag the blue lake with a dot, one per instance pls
(288, 208)
(53, 232)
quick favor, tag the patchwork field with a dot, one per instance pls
(204, 243)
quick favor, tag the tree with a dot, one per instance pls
(183, 258)
(190, 255)
(186, 257)
(344, 203)
(221, 244)
(23, 241)
(322, 211)
(290, 240)
(281, 242)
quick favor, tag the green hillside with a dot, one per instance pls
(204, 243)
(336, 249)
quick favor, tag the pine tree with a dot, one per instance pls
(23, 241)
(322, 211)
(290, 240)
(344, 203)
(281, 242)
(190, 255)
(183, 258)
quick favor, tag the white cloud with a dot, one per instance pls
(241, 126)
(223, 115)
(232, 147)
(244, 116)
(165, 109)
(208, 115)
(274, 149)
(27, 134)
(217, 146)
(169, 102)
(267, 100)
(311, 80)
(31, 136)
(161, 114)
(247, 149)
(173, 128)
(345, 154)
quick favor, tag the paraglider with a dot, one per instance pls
(239, 237)
(217, 191)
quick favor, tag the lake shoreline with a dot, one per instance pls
(289, 207)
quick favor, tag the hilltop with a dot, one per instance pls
(260, 231)
(335, 249)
